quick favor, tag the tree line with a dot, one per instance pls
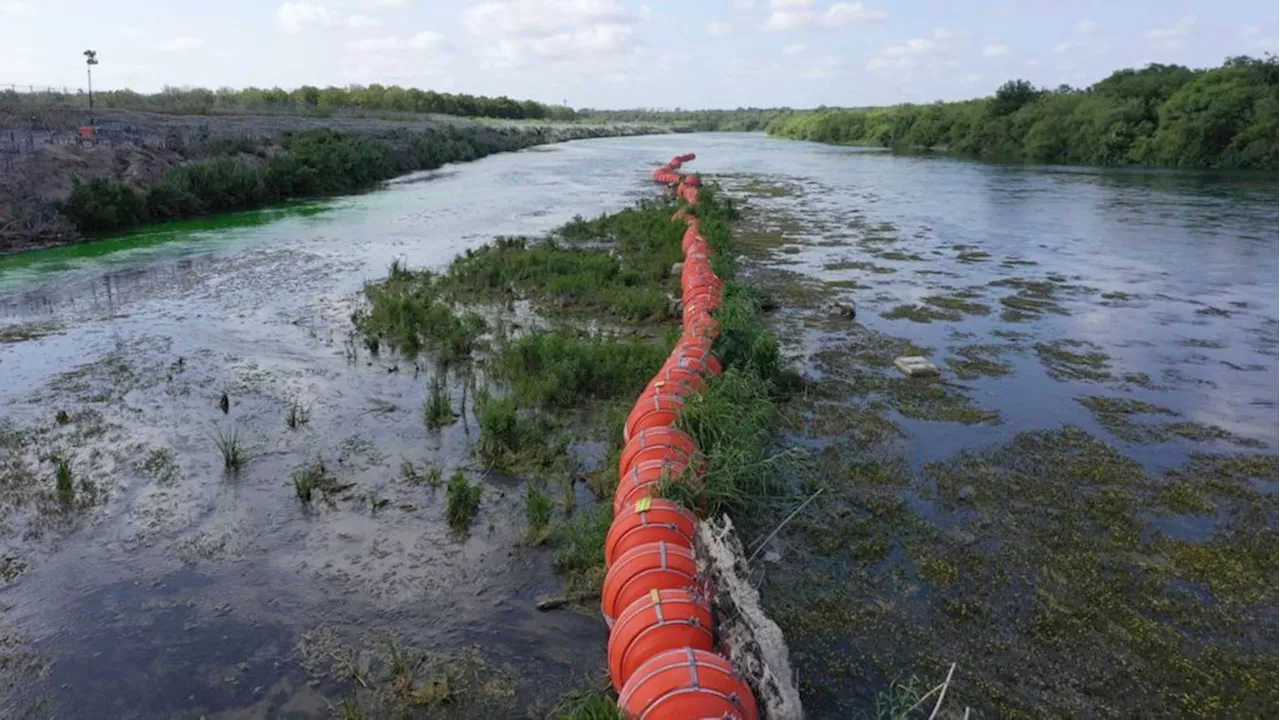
(1161, 115)
(311, 100)
(240, 174)
(737, 120)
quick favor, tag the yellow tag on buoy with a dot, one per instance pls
(642, 505)
(654, 595)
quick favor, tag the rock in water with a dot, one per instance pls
(845, 310)
(915, 366)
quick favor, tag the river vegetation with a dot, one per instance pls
(244, 173)
(308, 100)
(1159, 115)
(605, 323)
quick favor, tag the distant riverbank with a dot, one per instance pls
(1161, 115)
(139, 168)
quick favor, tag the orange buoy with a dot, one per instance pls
(654, 409)
(680, 375)
(670, 441)
(687, 683)
(654, 566)
(660, 621)
(648, 521)
(645, 480)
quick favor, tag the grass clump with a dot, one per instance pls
(537, 511)
(232, 448)
(579, 554)
(64, 481)
(463, 502)
(406, 311)
(437, 412)
(512, 441)
(561, 368)
(297, 415)
(588, 705)
(314, 478)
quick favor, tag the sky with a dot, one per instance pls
(626, 53)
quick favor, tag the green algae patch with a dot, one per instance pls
(958, 304)
(1116, 415)
(978, 361)
(1061, 361)
(921, 314)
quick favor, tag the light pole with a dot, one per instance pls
(90, 59)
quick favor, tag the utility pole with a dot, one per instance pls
(90, 59)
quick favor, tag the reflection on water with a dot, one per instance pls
(188, 597)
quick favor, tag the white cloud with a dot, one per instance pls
(843, 13)
(129, 32)
(180, 43)
(1175, 34)
(294, 17)
(1248, 31)
(1063, 47)
(995, 51)
(1085, 27)
(718, 27)
(794, 14)
(362, 22)
(944, 34)
(518, 31)
(824, 66)
(918, 52)
(427, 40)
(14, 8)
(539, 17)
(794, 49)
(743, 5)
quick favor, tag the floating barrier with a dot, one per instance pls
(662, 620)
(687, 683)
(662, 656)
(646, 521)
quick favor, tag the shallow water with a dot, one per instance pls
(187, 597)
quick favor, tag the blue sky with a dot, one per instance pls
(626, 53)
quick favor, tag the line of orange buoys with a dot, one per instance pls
(662, 653)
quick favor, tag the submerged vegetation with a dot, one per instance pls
(1164, 115)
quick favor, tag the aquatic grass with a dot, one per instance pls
(921, 314)
(588, 705)
(64, 481)
(297, 415)
(512, 441)
(537, 510)
(437, 412)
(314, 477)
(579, 553)
(561, 368)
(407, 311)
(463, 502)
(232, 448)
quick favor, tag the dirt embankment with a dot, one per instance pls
(41, 150)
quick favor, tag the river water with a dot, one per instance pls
(176, 591)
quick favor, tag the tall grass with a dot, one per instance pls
(537, 511)
(64, 481)
(437, 411)
(564, 369)
(579, 551)
(232, 448)
(463, 502)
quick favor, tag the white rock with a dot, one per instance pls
(677, 269)
(915, 366)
